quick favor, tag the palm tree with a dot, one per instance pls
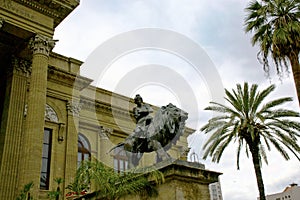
(25, 192)
(251, 123)
(54, 194)
(111, 185)
(276, 28)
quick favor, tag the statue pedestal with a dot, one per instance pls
(185, 180)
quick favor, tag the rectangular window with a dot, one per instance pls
(46, 159)
(120, 160)
(120, 164)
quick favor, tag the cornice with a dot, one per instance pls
(115, 130)
(57, 9)
(63, 77)
(105, 108)
(188, 171)
(115, 95)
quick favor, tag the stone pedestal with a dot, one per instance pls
(186, 181)
(183, 181)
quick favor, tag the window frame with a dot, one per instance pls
(121, 160)
(83, 148)
(47, 158)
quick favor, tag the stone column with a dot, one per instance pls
(12, 128)
(73, 109)
(34, 131)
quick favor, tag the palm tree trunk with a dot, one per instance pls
(259, 179)
(294, 59)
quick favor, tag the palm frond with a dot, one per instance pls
(112, 185)
(275, 103)
(217, 107)
(250, 121)
(279, 148)
(281, 113)
(276, 30)
(221, 147)
(262, 152)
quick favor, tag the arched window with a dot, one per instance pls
(84, 149)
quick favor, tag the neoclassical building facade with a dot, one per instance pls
(52, 118)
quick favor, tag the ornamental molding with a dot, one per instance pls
(74, 108)
(115, 95)
(105, 132)
(21, 66)
(63, 77)
(39, 7)
(50, 114)
(41, 45)
(58, 10)
(105, 108)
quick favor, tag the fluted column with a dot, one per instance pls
(11, 131)
(73, 108)
(33, 137)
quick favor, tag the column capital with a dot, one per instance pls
(105, 132)
(21, 66)
(41, 45)
(74, 108)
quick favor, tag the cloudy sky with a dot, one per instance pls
(159, 67)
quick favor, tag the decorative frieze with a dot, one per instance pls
(40, 7)
(105, 132)
(50, 114)
(102, 107)
(68, 79)
(41, 45)
(57, 10)
(74, 108)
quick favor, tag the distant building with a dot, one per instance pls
(291, 192)
(215, 191)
